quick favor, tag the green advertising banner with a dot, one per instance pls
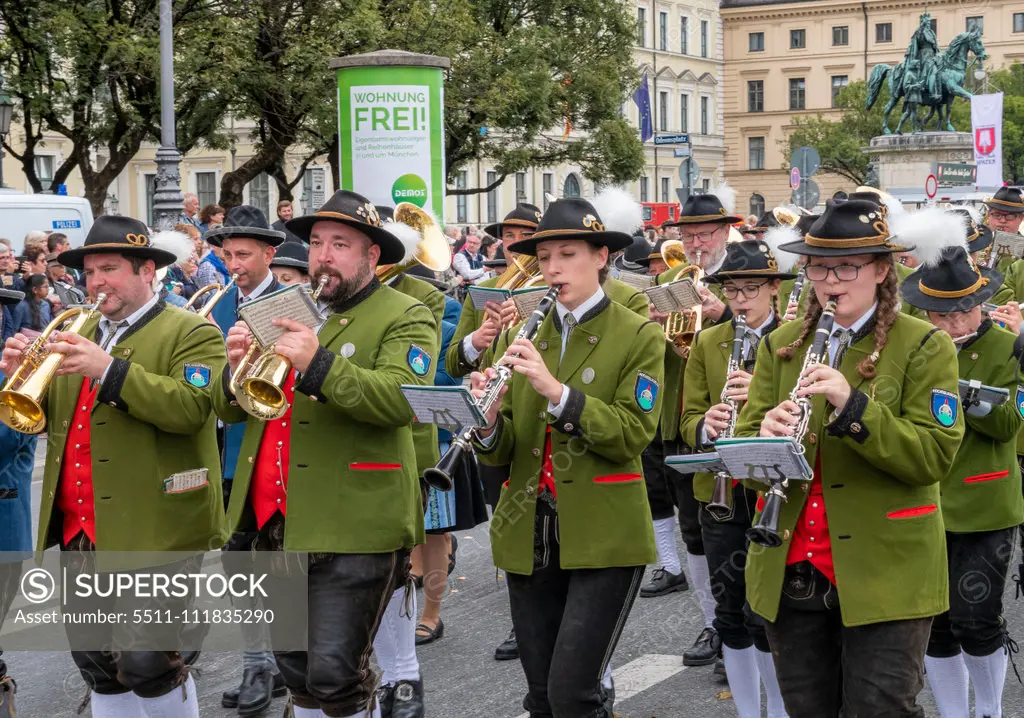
(391, 125)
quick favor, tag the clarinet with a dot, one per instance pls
(440, 476)
(766, 531)
(720, 505)
(798, 288)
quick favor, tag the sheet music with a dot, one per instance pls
(693, 463)
(675, 296)
(1007, 243)
(289, 303)
(449, 407)
(764, 459)
(482, 295)
(994, 395)
(527, 300)
(637, 280)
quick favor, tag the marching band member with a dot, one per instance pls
(359, 509)
(248, 245)
(290, 264)
(132, 452)
(848, 598)
(1006, 214)
(981, 494)
(749, 279)
(572, 530)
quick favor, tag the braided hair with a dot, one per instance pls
(888, 308)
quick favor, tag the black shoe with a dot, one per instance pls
(662, 582)
(190, 657)
(386, 700)
(408, 700)
(451, 556)
(508, 650)
(229, 699)
(432, 634)
(720, 668)
(7, 690)
(706, 649)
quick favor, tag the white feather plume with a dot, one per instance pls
(549, 198)
(775, 238)
(931, 230)
(618, 211)
(177, 243)
(726, 195)
(975, 214)
(409, 237)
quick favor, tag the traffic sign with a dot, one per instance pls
(807, 159)
(680, 139)
(931, 187)
(807, 195)
(682, 193)
(689, 172)
(681, 152)
(952, 174)
(794, 178)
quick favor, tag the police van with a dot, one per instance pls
(21, 213)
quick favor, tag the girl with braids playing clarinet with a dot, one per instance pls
(981, 498)
(849, 596)
(750, 279)
(572, 529)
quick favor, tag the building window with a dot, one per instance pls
(548, 183)
(520, 187)
(935, 26)
(756, 205)
(492, 197)
(644, 188)
(206, 188)
(44, 170)
(797, 93)
(150, 199)
(662, 30)
(703, 38)
(883, 32)
(663, 111)
(756, 40)
(755, 95)
(1018, 22)
(313, 188)
(841, 35)
(976, 22)
(684, 34)
(665, 188)
(572, 187)
(684, 113)
(838, 83)
(756, 152)
(705, 119)
(797, 39)
(641, 27)
(705, 185)
(461, 200)
(259, 192)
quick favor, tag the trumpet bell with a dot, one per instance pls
(785, 216)
(262, 386)
(672, 253)
(21, 412)
(432, 251)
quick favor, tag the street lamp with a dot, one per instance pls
(6, 112)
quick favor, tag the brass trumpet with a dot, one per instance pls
(433, 250)
(220, 289)
(21, 399)
(258, 381)
(682, 327)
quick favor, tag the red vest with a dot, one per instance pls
(547, 474)
(268, 490)
(74, 490)
(811, 540)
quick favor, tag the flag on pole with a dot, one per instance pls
(987, 128)
(642, 98)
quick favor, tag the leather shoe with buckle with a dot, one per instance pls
(507, 650)
(255, 693)
(408, 700)
(706, 649)
(662, 583)
(386, 700)
(7, 690)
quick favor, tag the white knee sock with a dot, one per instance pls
(701, 579)
(606, 679)
(173, 704)
(947, 677)
(770, 681)
(395, 642)
(307, 712)
(122, 705)
(741, 669)
(665, 538)
(988, 674)
(375, 713)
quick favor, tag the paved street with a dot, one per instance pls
(462, 679)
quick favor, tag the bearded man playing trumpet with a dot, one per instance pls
(132, 461)
(336, 473)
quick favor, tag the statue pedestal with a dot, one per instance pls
(903, 162)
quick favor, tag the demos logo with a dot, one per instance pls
(37, 585)
(410, 188)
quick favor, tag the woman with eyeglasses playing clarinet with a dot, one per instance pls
(572, 529)
(859, 569)
(714, 388)
(981, 495)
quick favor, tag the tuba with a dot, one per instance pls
(21, 399)
(432, 251)
(258, 381)
(219, 289)
(766, 531)
(682, 327)
(720, 505)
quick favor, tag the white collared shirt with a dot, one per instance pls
(578, 313)
(258, 291)
(105, 325)
(837, 329)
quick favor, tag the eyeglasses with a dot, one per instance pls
(704, 237)
(842, 272)
(997, 214)
(749, 291)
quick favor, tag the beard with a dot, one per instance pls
(345, 289)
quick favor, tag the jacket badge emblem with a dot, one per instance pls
(645, 392)
(198, 375)
(945, 406)
(419, 360)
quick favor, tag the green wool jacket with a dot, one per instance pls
(982, 491)
(902, 272)
(424, 436)
(152, 418)
(613, 366)
(353, 485)
(470, 319)
(702, 387)
(881, 459)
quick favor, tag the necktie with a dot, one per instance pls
(753, 342)
(112, 329)
(569, 324)
(845, 336)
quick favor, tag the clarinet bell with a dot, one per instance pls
(720, 505)
(766, 531)
(440, 477)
